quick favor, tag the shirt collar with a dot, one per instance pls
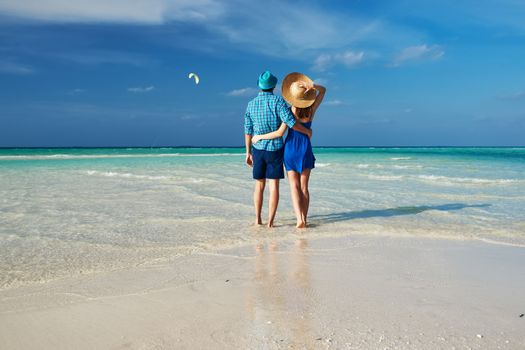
(265, 93)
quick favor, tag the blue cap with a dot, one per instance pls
(267, 80)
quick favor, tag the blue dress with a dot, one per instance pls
(298, 154)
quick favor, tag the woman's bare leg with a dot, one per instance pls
(295, 188)
(305, 177)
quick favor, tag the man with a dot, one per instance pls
(264, 114)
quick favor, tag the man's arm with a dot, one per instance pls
(248, 132)
(248, 143)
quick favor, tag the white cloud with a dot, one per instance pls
(321, 81)
(94, 57)
(120, 11)
(418, 53)
(280, 34)
(76, 91)
(225, 23)
(334, 103)
(189, 117)
(11, 67)
(322, 62)
(141, 89)
(248, 91)
(348, 58)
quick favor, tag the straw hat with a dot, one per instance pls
(295, 95)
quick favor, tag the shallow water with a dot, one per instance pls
(69, 211)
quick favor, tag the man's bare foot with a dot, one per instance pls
(270, 224)
(258, 221)
(300, 224)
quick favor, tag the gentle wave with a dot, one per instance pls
(96, 156)
(322, 165)
(408, 166)
(400, 158)
(385, 177)
(142, 177)
(467, 180)
(446, 180)
(126, 175)
(380, 166)
(366, 166)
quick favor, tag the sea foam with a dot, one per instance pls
(126, 175)
(466, 180)
(97, 156)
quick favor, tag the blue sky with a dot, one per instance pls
(398, 73)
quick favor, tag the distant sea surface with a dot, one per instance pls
(65, 212)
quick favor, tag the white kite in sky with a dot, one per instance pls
(195, 76)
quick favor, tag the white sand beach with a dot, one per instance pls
(355, 292)
(149, 249)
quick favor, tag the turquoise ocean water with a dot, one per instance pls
(65, 212)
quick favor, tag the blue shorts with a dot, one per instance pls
(268, 164)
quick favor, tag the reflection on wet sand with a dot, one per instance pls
(279, 302)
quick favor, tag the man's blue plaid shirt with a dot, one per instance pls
(264, 114)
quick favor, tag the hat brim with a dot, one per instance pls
(267, 84)
(307, 100)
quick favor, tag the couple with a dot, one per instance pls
(266, 120)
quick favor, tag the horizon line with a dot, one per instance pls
(158, 147)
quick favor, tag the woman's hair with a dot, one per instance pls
(304, 113)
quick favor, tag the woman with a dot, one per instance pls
(305, 97)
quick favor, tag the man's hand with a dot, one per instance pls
(309, 133)
(249, 159)
(302, 129)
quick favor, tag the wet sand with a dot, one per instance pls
(357, 292)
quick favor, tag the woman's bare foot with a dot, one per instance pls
(300, 224)
(270, 224)
(258, 221)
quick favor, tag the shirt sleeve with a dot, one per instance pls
(248, 123)
(285, 114)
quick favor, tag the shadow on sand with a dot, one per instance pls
(362, 214)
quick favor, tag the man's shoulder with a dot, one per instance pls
(280, 100)
(272, 97)
(275, 100)
(252, 101)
